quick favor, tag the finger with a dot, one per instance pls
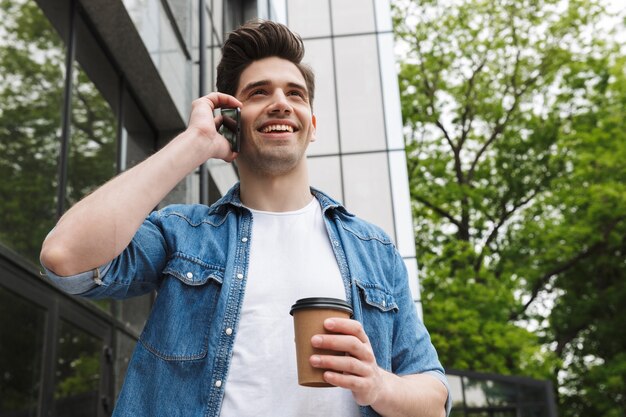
(346, 326)
(347, 364)
(351, 382)
(216, 100)
(217, 119)
(344, 343)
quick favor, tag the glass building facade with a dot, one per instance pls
(489, 395)
(90, 88)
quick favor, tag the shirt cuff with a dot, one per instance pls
(79, 283)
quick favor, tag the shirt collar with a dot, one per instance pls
(232, 199)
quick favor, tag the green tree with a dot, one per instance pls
(32, 75)
(514, 113)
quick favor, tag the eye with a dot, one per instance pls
(257, 92)
(297, 93)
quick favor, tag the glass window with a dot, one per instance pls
(77, 372)
(92, 151)
(325, 174)
(21, 341)
(361, 120)
(352, 16)
(32, 65)
(487, 393)
(537, 411)
(319, 56)
(309, 18)
(456, 390)
(367, 191)
(532, 394)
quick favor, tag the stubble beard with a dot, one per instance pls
(273, 161)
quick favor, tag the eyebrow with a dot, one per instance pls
(265, 83)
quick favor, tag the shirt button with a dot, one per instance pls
(240, 276)
(218, 383)
(244, 240)
(229, 331)
(189, 275)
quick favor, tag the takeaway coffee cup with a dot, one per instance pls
(308, 320)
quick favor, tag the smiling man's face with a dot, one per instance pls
(277, 121)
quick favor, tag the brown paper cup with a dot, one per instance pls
(308, 320)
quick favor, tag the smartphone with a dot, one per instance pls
(231, 127)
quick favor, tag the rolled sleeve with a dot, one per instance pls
(135, 271)
(79, 283)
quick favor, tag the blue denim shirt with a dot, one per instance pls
(196, 257)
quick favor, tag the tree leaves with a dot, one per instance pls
(514, 113)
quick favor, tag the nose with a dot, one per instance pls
(280, 104)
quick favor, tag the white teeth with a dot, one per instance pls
(277, 128)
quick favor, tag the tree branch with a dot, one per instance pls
(506, 214)
(541, 282)
(466, 110)
(438, 210)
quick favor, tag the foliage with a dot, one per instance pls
(515, 134)
(32, 74)
(32, 79)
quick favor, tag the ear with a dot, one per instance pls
(314, 129)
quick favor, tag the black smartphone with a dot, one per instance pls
(231, 127)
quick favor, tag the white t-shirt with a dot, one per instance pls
(290, 258)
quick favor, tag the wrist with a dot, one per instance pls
(383, 403)
(195, 144)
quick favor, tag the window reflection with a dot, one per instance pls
(486, 393)
(21, 341)
(92, 155)
(92, 151)
(77, 372)
(31, 91)
(481, 395)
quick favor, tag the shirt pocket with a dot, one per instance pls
(180, 322)
(374, 295)
(379, 312)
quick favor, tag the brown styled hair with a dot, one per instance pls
(255, 40)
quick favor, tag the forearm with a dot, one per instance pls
(99, 227)
(419, 395)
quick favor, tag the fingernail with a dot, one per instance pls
(316, 340)
(329, 323)
(315, 360)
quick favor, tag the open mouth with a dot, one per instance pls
(278, 128)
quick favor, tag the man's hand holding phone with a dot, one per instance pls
(206, 122)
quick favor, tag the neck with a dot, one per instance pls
(275, 193)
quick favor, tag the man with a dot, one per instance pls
(219, 339)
